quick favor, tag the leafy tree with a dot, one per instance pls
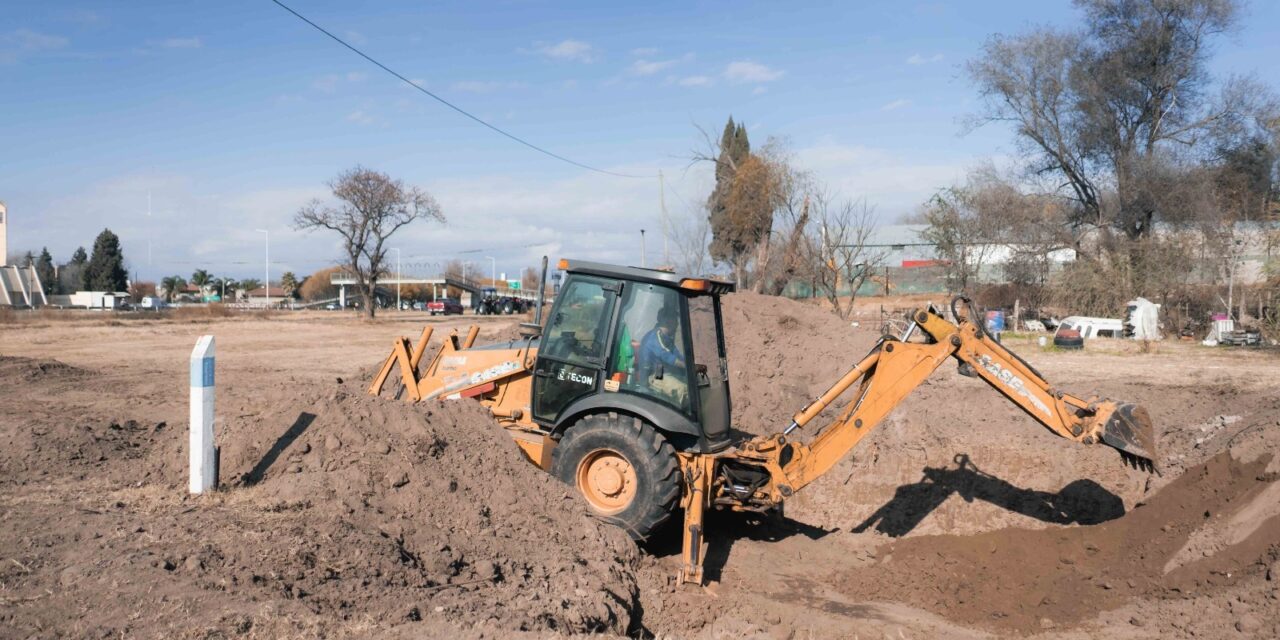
(79, 258)
(371, 208)
(249, 284)
(48, 275)
(289, 283)
(733, 234)
(172, 285)
(317, 286)
(202, 279)
(105, 269)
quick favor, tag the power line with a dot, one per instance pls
(446, 102)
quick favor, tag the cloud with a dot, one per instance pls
(28, 40)
(893, 183)
(649, 67)
(22, 42)
(475, 86)
(759, 90)
(644, 51)
(361, 117)
(918, 59)
(896, 104)
(744, 71)
(82, 17)
(330, 82)
(355, 37)
(573, 50)
(694, 81)
(646, 67)
(180, 43)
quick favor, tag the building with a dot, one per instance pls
(19, 286)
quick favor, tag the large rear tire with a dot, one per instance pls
(624, 468)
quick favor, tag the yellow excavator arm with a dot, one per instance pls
(895, 368)
(891, 371)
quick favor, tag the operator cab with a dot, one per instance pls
(640, 342)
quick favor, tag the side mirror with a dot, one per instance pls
(657, 373)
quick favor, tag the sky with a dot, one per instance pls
(187, 127)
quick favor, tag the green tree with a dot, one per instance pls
(731, 152)
(48, 276)
(249, 284)
(202, 279)
(172, 285)
(79, 258)
(289, 283)
(105, 269)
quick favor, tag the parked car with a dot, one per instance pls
(444, 306)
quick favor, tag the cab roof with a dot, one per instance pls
(689, 283)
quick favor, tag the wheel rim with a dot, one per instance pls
(607, 480)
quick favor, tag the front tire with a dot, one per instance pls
(625, 470)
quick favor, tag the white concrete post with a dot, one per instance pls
(204, 465)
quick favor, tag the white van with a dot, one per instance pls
(1093, 327)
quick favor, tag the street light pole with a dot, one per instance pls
(493, 270)
(266, 267)
(397, 250)
(642, 252)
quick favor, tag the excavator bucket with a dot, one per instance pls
(1129, 429)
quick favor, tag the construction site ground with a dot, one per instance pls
(342, 515)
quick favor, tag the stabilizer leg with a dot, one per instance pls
(696, 496)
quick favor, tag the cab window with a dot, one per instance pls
(649, 356)
(579, 328)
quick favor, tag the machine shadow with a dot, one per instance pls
(723, 528)
(287, 438)
(1081, 502)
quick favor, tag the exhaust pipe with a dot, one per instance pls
(542, 293)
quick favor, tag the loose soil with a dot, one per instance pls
(343, 515)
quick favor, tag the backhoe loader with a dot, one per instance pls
(624, 395)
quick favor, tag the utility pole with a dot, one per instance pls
(266, 268)
(642, 251)
(666, 227)
(493, 270)
(397, 250)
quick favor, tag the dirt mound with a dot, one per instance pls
(45, 437)
(1017, 579)
(16, 369)
(783, 353)
(340, 513)
(435, 509)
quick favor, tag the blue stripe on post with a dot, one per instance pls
(202, 372)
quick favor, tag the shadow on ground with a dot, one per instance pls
(259, 470)
(1081, 502)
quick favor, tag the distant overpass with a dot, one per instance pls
(467, 285)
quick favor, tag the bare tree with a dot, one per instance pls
(1101, 108)
(371, 208)
(692, 237)
(963, 228)
(840, 256)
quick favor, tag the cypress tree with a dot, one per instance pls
(44, 269)
(105, 269)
